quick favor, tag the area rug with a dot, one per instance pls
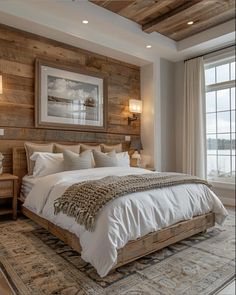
(35, 262)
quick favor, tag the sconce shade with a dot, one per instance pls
(136, 145)
(135, 106)
(0, 84)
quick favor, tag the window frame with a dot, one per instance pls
(229, 84)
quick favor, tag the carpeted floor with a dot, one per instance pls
(35, 262)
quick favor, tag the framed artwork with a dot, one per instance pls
(69, 98)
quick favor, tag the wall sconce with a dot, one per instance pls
(0, 84)
(135, 107)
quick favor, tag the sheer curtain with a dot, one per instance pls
(194, 142)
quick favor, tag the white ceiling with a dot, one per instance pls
(106, 33)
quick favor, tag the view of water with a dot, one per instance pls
(221, 165)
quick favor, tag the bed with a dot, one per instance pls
(116, 241)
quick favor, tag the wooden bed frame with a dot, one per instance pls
(133, 249)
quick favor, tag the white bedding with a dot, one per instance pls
(28, 181)
(125, 218)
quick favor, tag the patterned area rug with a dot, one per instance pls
(35, 262)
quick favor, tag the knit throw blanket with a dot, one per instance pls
(85, 199)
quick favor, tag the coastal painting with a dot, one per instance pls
(70, 99)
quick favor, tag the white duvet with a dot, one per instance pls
(125, 218)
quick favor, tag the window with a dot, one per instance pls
(220, 119)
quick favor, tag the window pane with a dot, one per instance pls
(222, 73)
(224, 166)
(233, 98)
(211, 144)
(210, 76)
(224, 144)
(210, 101)
(223, 122)
(223, 103)
(233, 165)
(232, 70)
(232, 121)
(211, 123)
(233, 143)
(211, 166)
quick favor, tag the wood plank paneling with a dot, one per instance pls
(18, 51)
(17, 96)
(16, 68)
(215, 18)
(202, 13)
(17, 83)
(170, 17)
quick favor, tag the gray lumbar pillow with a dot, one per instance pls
(74, 161)
(105, 160)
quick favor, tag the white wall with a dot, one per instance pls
(226, 194)
(150, 118)
(158, 123)
(167, 80)
(179, 94)
(148, 114)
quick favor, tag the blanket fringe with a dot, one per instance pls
(81, 217)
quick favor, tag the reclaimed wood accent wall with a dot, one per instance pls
(18, 51)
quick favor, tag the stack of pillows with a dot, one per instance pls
(46, 159)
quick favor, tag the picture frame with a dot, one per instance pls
(69, 98)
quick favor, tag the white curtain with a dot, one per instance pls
(194, 142)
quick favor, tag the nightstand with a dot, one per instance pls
(8, 190)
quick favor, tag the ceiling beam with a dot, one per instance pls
(142, 9)
(114, 6)
(207, 23)
(156, 9)
(174, 15)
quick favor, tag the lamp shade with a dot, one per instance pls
(136, 145)
(0, 84)
(135, 106)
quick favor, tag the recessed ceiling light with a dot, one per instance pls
(148, 46)
(190, 23)
(85, 21)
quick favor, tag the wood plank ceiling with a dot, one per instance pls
(170, 17)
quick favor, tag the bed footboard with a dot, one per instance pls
(140, 247)
(164, 237)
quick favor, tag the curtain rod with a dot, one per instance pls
(210, 52)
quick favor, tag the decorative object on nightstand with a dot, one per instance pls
(1, 160)
(136, 145)
(135, 107)
(8, 190)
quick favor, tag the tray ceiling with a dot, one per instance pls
(170, 17)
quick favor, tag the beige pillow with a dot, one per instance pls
(114, 147)
(85, 147)
(105, 160)
(60, 148)
(74, 161)
(31, 147)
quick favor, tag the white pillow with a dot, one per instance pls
(47, 163)
(123, 159)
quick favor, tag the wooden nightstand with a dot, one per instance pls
(8, 190)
